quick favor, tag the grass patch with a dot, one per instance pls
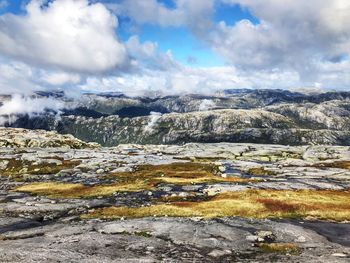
(261, 171)
(281, 248)
(177, 173)
(65, 190)
(146, 177)
(142, 234)
(336, 164)
(324, 205)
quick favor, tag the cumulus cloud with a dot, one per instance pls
(146, 55)
(307, 41)
(292, 34)
(60, 78)
(72, 44)
(67, 34)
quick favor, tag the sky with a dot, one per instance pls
(173, 47)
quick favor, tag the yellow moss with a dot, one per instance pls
(282, 248)
(260, 171)
(178, 198)
(336, 164)
(326, 205)
(177, 173)
(146, 177)
(65, 190)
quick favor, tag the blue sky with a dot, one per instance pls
(181, 41)
(213, 44)
(185, 48)
(13, 6)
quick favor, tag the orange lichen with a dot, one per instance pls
(65, 190)
(178, 173)
(326, 205)
(281, 248)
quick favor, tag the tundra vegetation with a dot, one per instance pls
(243, 202)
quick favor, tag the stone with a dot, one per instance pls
(219, 253)
(300, 239)
(3, 164)
(340, 255)
(265, 236)
(100, 171)
(252, 238)
(41, 228)
(222, 169)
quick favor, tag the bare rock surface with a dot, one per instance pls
(15, 137)
(52, 224)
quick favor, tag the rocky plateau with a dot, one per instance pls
(64, 200)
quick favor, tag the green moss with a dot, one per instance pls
(143, 234)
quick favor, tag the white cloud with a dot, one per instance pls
(292, 34)
(149, 11)
(67, 34)
(142, 51)
(304, 41)
(207, 105)
(60, 78)
(192, 13)
(186, 80)
(147, 55)
(16, 77)
(69, 43)
(18, 104)
(153, 118)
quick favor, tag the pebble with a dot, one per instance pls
(301, 239)
(265, 236)
(252, 238)
(222, 169)
(216, 253)
(100, 171)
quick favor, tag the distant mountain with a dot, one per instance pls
(259, 116)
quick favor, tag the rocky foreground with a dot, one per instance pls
(71, 201)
